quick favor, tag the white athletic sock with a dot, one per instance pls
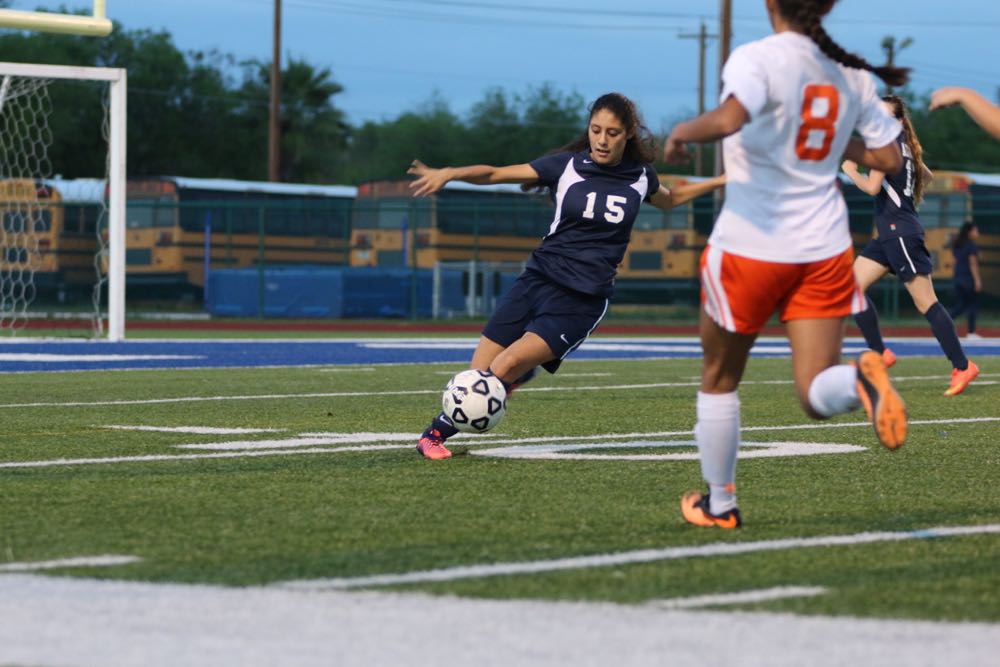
(835, 391)
(718, 436)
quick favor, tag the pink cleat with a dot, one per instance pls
(432, 446)
(888, 358)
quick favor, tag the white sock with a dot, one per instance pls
(718, 436)
(835, 391)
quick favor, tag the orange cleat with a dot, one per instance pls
(888, 358)
(694, 508)
(961, 379)
(432, 446)
(881, 401)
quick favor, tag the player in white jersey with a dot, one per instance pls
(789, 105)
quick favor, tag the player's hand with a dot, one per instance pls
(675, 151)
(849, 167)
(428, 180)
(946, 97)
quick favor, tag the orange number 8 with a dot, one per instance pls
(810, 123)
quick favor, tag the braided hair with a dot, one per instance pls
(910, 137)
(807, 16)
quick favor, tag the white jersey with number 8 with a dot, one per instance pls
(782, 202)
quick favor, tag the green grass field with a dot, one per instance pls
(307, 500)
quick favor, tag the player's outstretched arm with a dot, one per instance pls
(981, 110)
(720, 122)
(430, 180)
(664, 198)
(869, 183)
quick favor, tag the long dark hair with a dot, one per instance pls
(963, 235)
(639, 147)
(910, 137)
(807, 16)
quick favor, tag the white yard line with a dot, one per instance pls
(107, 560)
(62, 621)
(201, 430)
(356, 394)
(742, 597)
(631, 557)
(317, 443)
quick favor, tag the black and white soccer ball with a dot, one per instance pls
(475, 401)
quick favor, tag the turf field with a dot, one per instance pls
(306, 479)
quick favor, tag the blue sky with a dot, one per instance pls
(392, 55)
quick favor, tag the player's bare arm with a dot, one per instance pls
(430, 180)
(981, 110)
(888, 159)
(869, 183)
(720, 122)
(669, 198)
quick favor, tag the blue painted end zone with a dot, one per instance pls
(27, 355)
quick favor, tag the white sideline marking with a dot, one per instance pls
(630, 558)
(743, 597)
(413, 392)
(307, 439)
(81, 561)
(192, 457)
(570, 451)
(201, 430)
(365, 369)
(59, 358)
(72, 621)
(286, 447)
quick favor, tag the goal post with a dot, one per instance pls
(95, 25)
(116, 129)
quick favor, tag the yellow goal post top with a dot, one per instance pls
(96, 25)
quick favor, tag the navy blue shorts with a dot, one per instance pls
(561, 317)
(905, 256)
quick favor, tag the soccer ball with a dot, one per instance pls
(475, 401)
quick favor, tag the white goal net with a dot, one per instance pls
(62, 197)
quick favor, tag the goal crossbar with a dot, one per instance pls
(117, 80)
(96, 25)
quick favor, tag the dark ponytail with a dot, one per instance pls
(807, 16)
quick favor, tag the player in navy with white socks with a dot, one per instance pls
(899, 249)
(597, 183)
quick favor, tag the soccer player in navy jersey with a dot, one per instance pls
(899, 249)
(597, 183)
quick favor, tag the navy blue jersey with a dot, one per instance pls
(895, 214)
(596, 207)
(963, 268)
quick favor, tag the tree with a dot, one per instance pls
(314, 133)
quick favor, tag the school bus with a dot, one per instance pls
(666, 246)
(461, 222)
(49, 230)
(502, 223)
(179, 228)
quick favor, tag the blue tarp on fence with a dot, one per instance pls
(330, 292)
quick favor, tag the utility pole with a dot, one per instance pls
(891, 49)
(702, 36)
(274, 120)
(725, 39)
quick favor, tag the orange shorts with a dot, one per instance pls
(740, 294)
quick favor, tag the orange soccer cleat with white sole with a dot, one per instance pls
(881, 401)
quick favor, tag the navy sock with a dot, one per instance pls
(944, 330)
(867, 321)
(442, 425)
